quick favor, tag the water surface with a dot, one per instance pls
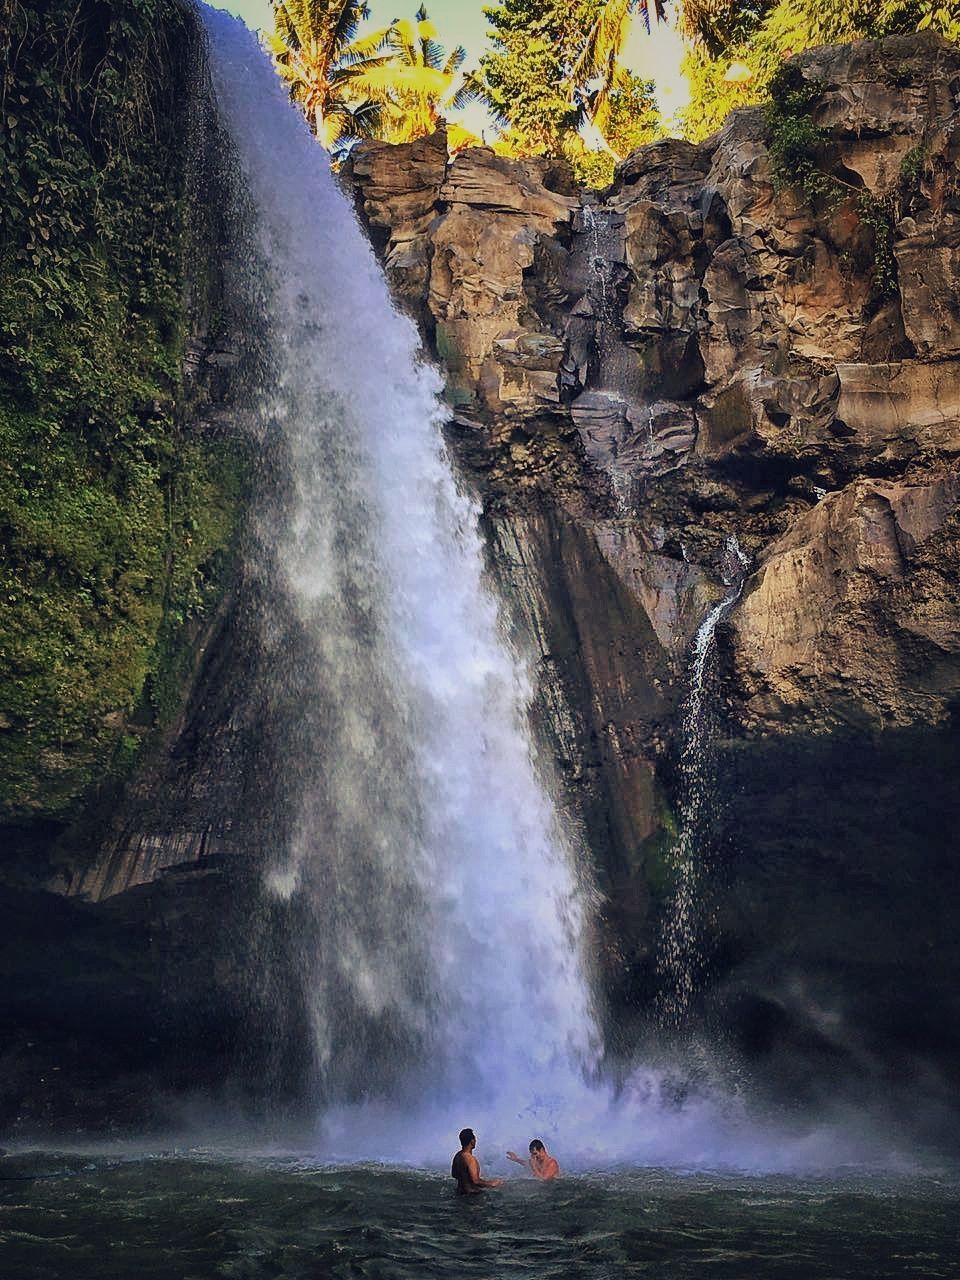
(189, 1217)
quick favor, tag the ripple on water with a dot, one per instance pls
(173, 1219)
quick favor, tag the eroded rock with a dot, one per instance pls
(716, 358)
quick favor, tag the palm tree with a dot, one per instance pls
(419, 78)
(334, 76)
(597, 71)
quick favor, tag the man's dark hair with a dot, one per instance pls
(467, 1135)
(536, 1145)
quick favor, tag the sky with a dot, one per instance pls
(656, 56)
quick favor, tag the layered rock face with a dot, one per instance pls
(697, 355)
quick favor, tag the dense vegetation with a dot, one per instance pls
(394, 83)
(114, 518)
(738, 46)
(553, 79)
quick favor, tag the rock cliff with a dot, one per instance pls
(702, 353)
(715, 354)
(718, 348)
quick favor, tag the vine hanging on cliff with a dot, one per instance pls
(800, 159)
(111, 519)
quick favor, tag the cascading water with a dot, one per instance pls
(437, 905)
(679, 958)
(417, 856)
(597, 223)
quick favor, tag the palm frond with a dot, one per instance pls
(289, 22)
(472, 89)
(367, 47)
(343, 20)
(459, 138)
(655, 7)
(403, 41)
(354, 84)
(455, 61)
(420, 81)
(603, 42)
(367, 118)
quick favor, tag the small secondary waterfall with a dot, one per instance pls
(438, 907)
(679, 958)
(597, 223)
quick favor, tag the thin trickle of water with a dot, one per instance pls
(438, 908)
(679, 959)
(597, 223)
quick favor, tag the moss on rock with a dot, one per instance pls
(117, 519)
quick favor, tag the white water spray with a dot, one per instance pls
(498, 998)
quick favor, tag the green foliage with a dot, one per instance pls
(799, 158)
(524, 76)
(911, 173)
(922, 15)
(420, 78)
(393, 83)
(112, 522)
(797, 146)
(632, 119)
(593, 170)
(554, 75)
(204, 497)
(878, 214)
(740, 48)
(329, 69)
(712, 97)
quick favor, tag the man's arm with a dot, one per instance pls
(473, 1167)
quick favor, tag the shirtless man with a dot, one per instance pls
(466, 1168)
(541, 1163)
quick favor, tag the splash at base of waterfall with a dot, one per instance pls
(655, 1119)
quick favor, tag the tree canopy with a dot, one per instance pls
(555, 70)
(330, 72)
(554, 77)
(739, 45)
(420, 78)
(391, 83)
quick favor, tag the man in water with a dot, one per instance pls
(466, 1167)
(541, 1163)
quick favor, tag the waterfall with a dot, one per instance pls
(598, 224)
(679, 959)
(433, 900)
(437, 905)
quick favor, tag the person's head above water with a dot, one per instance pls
(466, 1137)
(541, 1163)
